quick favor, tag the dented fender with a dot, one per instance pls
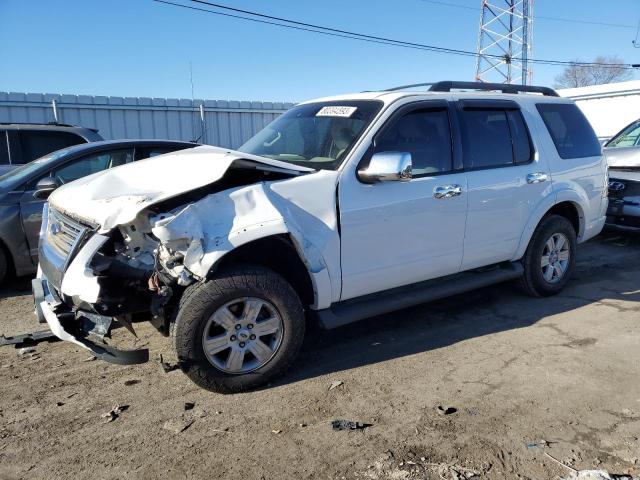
(204, 231)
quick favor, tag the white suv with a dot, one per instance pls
(342, 208)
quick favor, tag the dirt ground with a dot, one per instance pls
(525, 376)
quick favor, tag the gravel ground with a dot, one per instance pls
(525, 377)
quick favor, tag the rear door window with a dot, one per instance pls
(486, 138)
(570, 131)
(37, 143)
(522, 151)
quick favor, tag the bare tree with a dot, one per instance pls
(601, 70)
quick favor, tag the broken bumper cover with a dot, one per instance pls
(46, 312)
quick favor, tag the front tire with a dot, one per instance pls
(238, 330)
(550, 257)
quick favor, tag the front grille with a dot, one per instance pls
(623, 188)
(63, 232)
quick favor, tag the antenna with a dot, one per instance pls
(193, 129)
(54, 106)
(505, 41)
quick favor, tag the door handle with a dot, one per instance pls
(537, 177)
(447, 191)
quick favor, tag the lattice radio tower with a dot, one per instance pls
(505, 41)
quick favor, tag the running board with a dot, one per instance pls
(349, 311)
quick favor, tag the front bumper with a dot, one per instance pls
(67, 326)
(624, 214)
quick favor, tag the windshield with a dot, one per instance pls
(628, 137)
(315, 135)
(23, 172)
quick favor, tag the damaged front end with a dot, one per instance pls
(135, 263)
(89, 282)
(68, 294)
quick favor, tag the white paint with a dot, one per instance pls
(116, 196)
(303, 207)
(79, 280)
(56, 328)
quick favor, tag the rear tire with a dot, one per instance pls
(238, 330)
(550, 257)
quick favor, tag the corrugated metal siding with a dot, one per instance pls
(227, 123)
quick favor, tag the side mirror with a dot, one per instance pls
(387, 167)
(44, 187)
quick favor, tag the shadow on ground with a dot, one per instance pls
(602, 267)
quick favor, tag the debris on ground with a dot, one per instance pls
(335, 384)
(189, 405)
(27, 338)
(114, 413)
(90, 359)
(388, 468)
(26, 350)
(446, 410)
(178, 425)
(276, 431)
(540, 443)
(339, 425)
(454, 472)
(166, 366)
(597, 475)
(133, 381)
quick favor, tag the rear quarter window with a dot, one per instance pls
(570, 131)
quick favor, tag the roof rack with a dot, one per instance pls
(49, 124)
(448, 85)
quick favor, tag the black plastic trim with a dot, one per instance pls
(353, 310)
(448, 85)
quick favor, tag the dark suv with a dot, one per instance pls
(21, 143)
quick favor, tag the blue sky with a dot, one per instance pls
(142, 48)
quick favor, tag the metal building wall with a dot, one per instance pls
(227, 124)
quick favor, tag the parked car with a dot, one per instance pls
(21, 143)
(343, 208)
(23, 191)
(623, 157)
(623, 149)
(624, 199)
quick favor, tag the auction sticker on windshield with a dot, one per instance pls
(336, 111)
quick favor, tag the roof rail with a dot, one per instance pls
(447, 86)
(404, 87)
(50, 124)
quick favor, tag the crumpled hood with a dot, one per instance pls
(116, 196)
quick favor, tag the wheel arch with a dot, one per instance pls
(570, 208)
(283, 254)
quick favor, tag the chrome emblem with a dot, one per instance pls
(616, 186)
(55, 228)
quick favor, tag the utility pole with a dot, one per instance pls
(505, 41)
